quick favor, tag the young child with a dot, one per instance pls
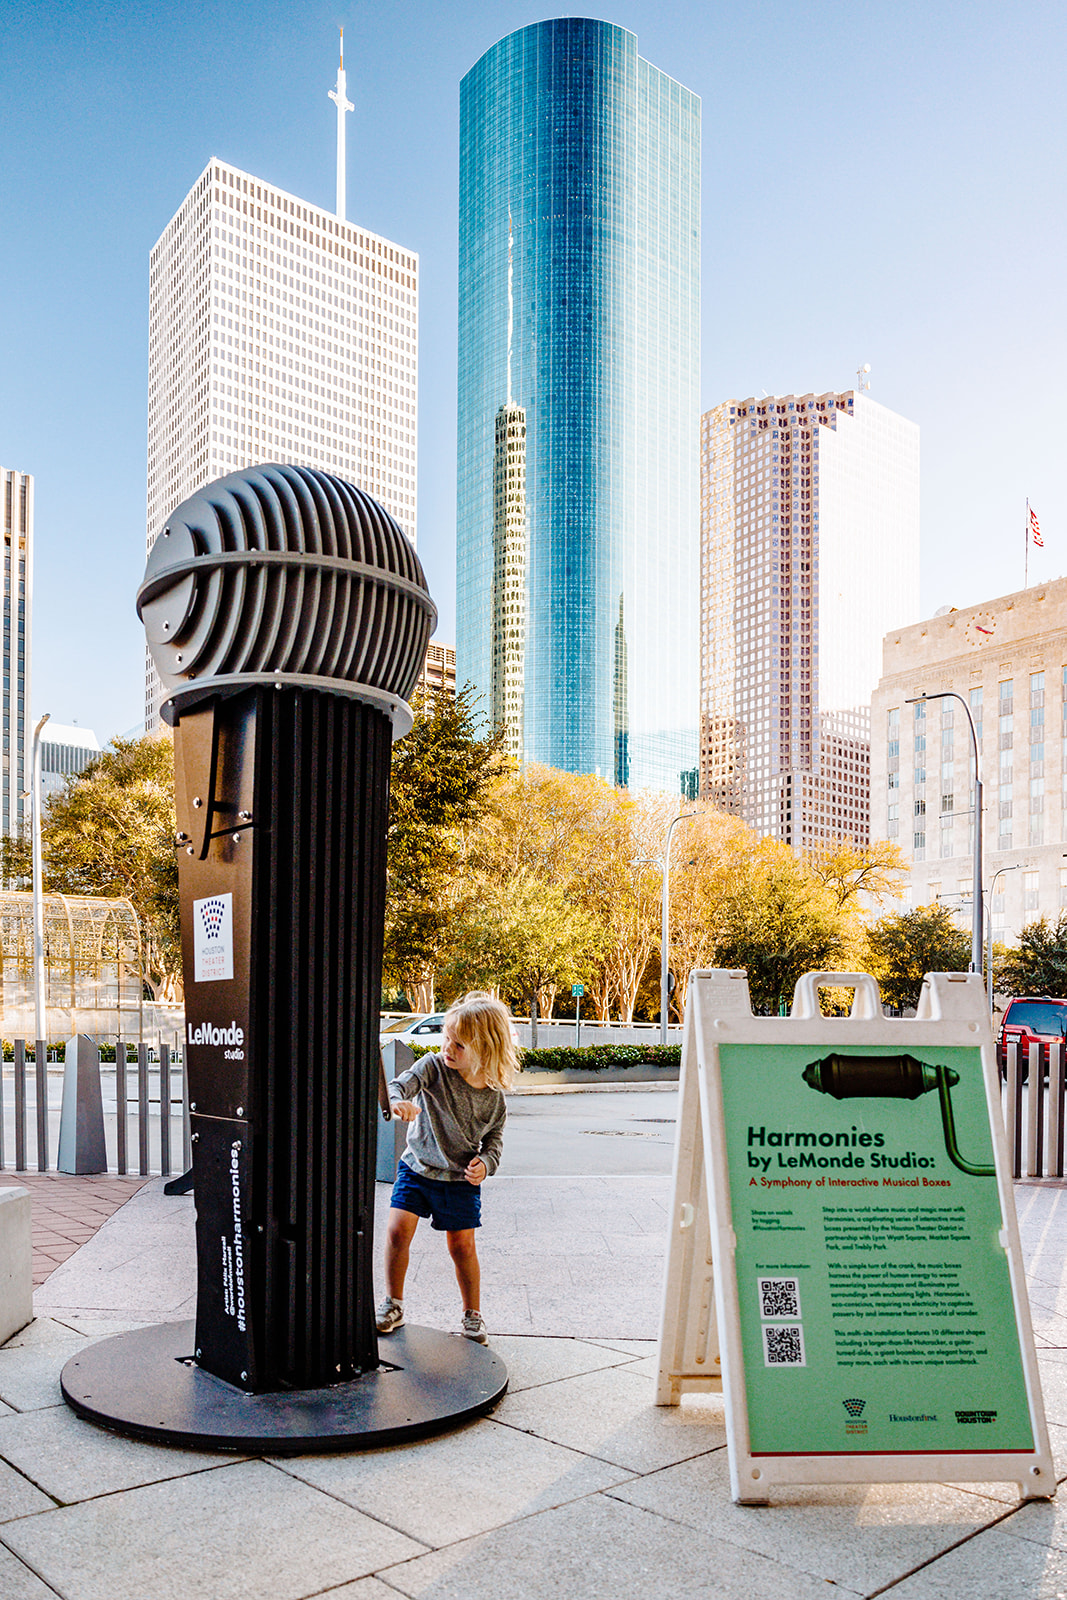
(453, 1145)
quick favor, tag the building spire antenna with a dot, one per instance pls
(343, 104)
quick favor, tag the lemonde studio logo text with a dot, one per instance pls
(213, 938)
(206, 1033)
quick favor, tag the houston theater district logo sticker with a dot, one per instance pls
(213, 938)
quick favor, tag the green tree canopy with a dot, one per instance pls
(441, 777)
(903, 948)
(521, 936)
(777, 921)
(592, 841)
(1039, 965)
(850, 870)
(111, 832)
(16, 862)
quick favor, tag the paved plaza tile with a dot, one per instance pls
(599, 1549)
(577, 1487)
(461, 1483)
(237, 1531)
(66, 1210)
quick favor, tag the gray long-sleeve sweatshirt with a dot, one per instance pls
(455, 1123)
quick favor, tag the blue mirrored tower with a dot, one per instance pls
(579, 323)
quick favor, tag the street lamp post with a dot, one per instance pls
(976, 911)
(989, 933)
(38, 898)
(665, 924)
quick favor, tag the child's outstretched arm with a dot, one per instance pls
(399, 1089)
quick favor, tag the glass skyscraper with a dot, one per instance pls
(579, 336)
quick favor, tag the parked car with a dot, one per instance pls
(1030, 1021)
(423, 1028)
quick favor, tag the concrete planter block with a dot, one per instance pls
(639, 1073)
(16, 1262)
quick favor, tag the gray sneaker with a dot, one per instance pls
(389, 1315)
(474, 1327)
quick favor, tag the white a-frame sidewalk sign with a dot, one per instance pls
(844, 1259)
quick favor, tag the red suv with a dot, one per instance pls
(1031, 1022)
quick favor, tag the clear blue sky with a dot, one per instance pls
(883, 182)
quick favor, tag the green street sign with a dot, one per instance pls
(577, 990)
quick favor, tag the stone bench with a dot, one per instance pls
(16, 1262)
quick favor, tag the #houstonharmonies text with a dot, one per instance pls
(792, 1149)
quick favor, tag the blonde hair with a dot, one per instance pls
(484, 1023)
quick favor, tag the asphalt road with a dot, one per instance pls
(599, 1133)
(594, 1134)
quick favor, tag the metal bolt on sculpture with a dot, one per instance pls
(288, 617)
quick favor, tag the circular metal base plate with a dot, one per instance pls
(145, 1384)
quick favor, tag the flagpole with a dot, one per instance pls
(1026, 547)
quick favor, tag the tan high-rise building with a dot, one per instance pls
(438, 670)
(509, 577)
(809, 551)
(1007, 658)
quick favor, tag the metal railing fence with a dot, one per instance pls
(150, 1093)
(141, 1139)
(1034, 1110)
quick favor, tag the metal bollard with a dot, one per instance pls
(121, 1120)
(81, 1123)
(397, 1057)
(1054, 1161)
(142, 1108)
(1013, 1090)
(20, 1105)
(40, 1051)
(1035, 1089)
(164, 1109)
(187, 1143)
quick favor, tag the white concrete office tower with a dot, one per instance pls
(277, 332)
(65, 750)
(16, 509)
(810, 546)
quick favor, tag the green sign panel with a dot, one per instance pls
(876, 1311)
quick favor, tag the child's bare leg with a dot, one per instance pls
(398, 1237)
(461, 1247)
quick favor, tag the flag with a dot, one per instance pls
(1035, 530)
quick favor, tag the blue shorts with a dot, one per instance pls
(451, 1207)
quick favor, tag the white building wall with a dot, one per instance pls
(1007, 658)
(868, 507)
(277, 332)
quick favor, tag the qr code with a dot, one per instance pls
(783, 1345)
(779, 1297)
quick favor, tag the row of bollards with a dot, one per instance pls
(82, 1144)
